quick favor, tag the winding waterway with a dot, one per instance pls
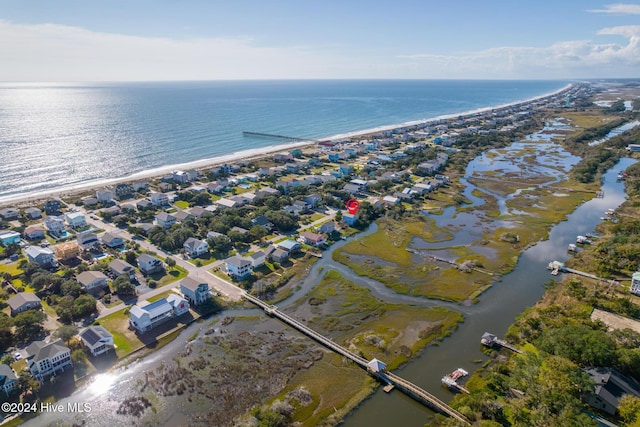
(494, 313)
(498, 307)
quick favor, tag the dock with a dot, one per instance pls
(559, 267)
(272, 135)
(373, 367)
(451, 380)
(491, 340)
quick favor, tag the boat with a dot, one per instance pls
(572, 248)
(451, 380)
(583, 240)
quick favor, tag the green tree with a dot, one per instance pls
(131, 257)
(6, 336)
(83, 306)
(66, 332)
(123, 286)
(629, 408)
(29, 325)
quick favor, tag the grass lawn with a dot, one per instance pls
(182, 204)
(316, 216)
(205, 259)
(173, 274)
(11, 268)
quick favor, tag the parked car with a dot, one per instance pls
(17, 355)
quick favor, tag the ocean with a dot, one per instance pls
(62, 136)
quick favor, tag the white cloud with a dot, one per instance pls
(619, 9)
(568, 59)
(50, 52)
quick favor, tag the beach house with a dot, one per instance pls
(239, 268)
(33, 213)
(34, 232)
(45, 359)
(165, 220)
(44, 257)
(119, 267)
(97, 339)
(76, 220)
(105, 195)
(92, 280)
(195, 247)
(149, 264)
(55, 225)
(111, 240)
(8, 379)
(23, 301)
(9, 237)
(88, 241)
(145, 316)
(195, 291)
(159, 199)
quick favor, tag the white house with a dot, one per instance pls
(195, 291)
(159, 199)
(165, 220)
(195, 247)
(55, 225)
(43, 256)
(238, 267)
(635, 283)
(257, 259)
(46, 359)
(105, 195)
(76, 219)
(147, 316)
(90, 280)
(97, 339)
(149, 264)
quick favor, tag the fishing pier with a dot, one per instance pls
(374, 367)
(491, 340)
(271, 135)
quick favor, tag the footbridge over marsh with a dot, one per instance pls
(396, 381)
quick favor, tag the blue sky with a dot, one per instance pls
(79, 40)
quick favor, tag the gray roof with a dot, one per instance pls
(18, 300)
(40, 350)
(256, 255)
(109, 237)
(6, 374)
(147, 258)
(238, 261)
(193, 243)
(93, 334)
(87, 277)
(120, 266)
(34, 251)
(190, 283)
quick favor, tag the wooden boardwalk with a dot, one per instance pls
(405, 386)
(491, 340)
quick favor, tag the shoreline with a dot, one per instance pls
(251, 154)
